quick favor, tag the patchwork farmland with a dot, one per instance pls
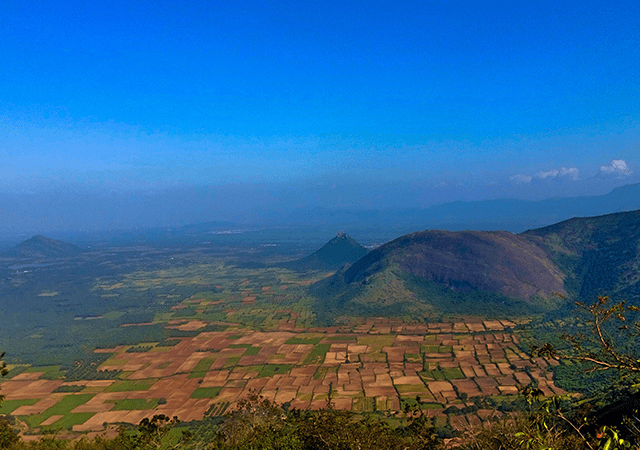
(376, 364)
(230, 331)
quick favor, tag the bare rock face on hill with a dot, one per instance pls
(339, 251)
(491, 272)
(495, 261)
(472, 273)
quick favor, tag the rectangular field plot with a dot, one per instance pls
(206, 392)
(127, 385)
(134, 403)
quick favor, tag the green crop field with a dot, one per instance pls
(269, 370)
(134, 404)
(62, 408)
(206, 392)
(8, 406)
(128, 386)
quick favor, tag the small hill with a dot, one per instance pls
(43, 247)
(339, 251)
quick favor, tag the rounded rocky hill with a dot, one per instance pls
(497, 261)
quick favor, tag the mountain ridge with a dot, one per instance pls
(484, 215)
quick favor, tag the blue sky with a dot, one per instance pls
(334, 103)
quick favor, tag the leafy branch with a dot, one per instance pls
(602, 353)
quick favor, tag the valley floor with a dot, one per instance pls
(372, 364)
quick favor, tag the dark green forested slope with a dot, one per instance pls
(599, 255)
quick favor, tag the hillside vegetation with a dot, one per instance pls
(599, 255)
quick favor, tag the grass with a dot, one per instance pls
(322, 372)
(453, 373)
(252, 368)
(403, 388)
(251, 351)
(436, 349)
(317, 355)
(440, 422)
(431, 406)
(113, 315)
(231, 361)
(63, 408)
(305, 397)
(50, 372)
(377, 341)
(129, 404)
(269, 370)
(115, 362)
(8, 406)
(364, 404)
(300, 340)
(377, 357)
(131, 385)
(412, 358)
(70, 388)
(68, 421)
(206, 392)
(433, 375)
(204, 364)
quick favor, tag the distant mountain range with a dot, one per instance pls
(502, 214)
(490, 273)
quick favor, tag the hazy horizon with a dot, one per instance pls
(136, 115)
